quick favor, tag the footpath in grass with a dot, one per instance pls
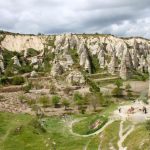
(90, 124)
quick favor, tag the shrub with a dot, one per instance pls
(18, 80)
(117, 92)
(128, 90)
(9, 72)
(4, 80)
(31, 102)
(25, 69)
(118, 83)
(80, 102)
(55, 101)
(32, 52)
(44, 100)
(65, 103)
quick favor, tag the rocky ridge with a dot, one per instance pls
(91, 53)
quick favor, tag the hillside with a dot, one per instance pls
(74, 92)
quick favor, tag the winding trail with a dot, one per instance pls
(95, 133)
(123, 137)
(86, 146)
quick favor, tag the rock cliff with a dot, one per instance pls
(121, 56)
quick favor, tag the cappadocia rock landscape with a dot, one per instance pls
(74, 88)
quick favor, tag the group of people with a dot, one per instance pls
(131, 110)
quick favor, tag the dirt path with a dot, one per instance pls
(123, 137)
(104, 79)
(86, 146)
(95, 133)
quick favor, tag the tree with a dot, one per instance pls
(55, 101)
(80, 102)
(118, 92)
(128, 87)
(119, 83)
(128, 90)
(65, 103)
(94, 99)
(93, 87)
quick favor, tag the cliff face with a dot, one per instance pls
(116, 55)
(23, 42)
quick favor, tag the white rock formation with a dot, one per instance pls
(57, 69)
(1, 64)
(75, 78)
(16, 61)
(23, 42)
(148, 61)
(121, 54)
(34, 74)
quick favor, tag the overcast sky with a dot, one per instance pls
(118, 17)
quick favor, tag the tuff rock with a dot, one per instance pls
(75, 78)
(121, 56)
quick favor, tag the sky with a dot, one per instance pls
(117, 17)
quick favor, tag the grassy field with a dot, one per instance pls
(139, 139)
(24, 132)
(20, 132)
(110, 136)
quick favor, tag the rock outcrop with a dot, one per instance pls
(23, 42)
(1, 62)
(120, 56)
(75, 78)
(57, 69)
(148, 61)
(16, 61)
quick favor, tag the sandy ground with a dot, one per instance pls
(137, 115)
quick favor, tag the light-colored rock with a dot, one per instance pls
(148, 61)
(57, 69)
(23, 42)
(34, 74)
(16, 61)
(75, 78)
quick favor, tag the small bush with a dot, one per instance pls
(31, 102)
(65, 103)
(55, 101)
(18, 80)
(44, 100)
(117, 92)
(4, 80)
